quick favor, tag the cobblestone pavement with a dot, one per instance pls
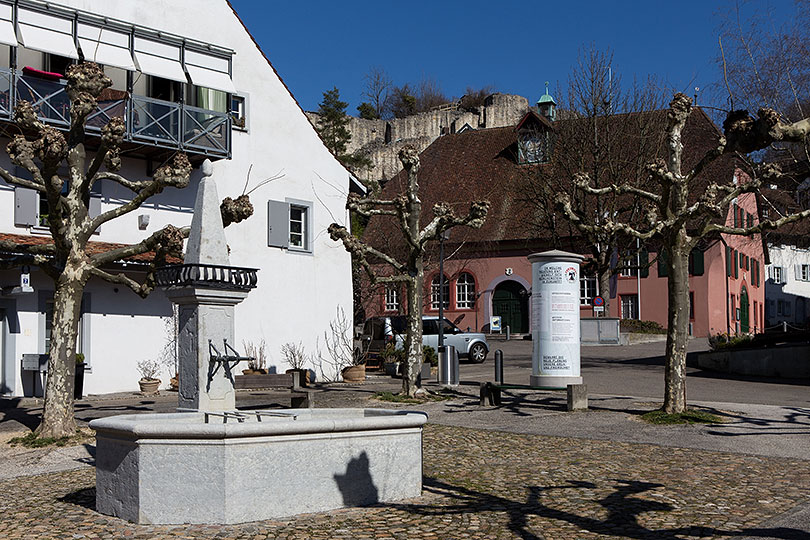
(487, 484)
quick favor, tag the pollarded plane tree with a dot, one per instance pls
(677, 222)
(68, 259)
(406, 210)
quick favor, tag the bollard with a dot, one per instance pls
(448, 366)
(498, 366)
(508, 331)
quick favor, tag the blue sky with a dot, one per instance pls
(512, 45)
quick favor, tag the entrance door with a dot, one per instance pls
(511, 303)
(744, 310)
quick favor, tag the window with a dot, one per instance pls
(289, 225)
(434, 293)
(298, 227)
(588, 288)
(777, 274)
(533, 147)
(239, 112)
(802, 272)
(630, 266)
(465, 291)
(392, 297)
(629, 306)
(783, 307)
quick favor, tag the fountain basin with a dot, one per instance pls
(178, 468)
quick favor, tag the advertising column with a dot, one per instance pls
(555, 319)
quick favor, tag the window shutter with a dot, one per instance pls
(728, 261)
(662, 263)
(26, 207)
(644, 263)
(736, 266)
(278, 224)
(696, 258)
(736, 216)
(797, 269)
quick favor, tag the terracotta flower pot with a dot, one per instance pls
(354, 374)
(149, 387)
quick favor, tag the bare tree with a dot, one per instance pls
(67, 260)
(612, 134)
(677, 222)
(377, 88)
(406, 210)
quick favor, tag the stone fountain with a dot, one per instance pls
(211, 463)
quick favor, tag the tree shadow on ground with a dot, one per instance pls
(622, 505)
(12, 412)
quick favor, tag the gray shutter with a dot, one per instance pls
(94, 208)
(26, 207)
(278, 224)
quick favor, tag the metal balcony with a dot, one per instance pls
(149, 122)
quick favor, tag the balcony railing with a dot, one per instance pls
(154, 122)
(207, 275)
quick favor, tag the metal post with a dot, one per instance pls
(498, 366)
(784, 326)
(508, 331)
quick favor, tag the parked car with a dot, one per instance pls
(378, 332)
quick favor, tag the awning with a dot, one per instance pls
(47, 33)
(209, 71)
(159, 59)
(105, 46)
(7, 36)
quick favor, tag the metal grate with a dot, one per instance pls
(207, 275)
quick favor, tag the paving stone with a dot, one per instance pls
(484, 484)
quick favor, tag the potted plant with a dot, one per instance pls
(258, 355)
(392, 358)
(149, 382)
(295, 357)
(78, 384)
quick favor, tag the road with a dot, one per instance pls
(638, 370)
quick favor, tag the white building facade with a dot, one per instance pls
(187, 77)
(787, 290)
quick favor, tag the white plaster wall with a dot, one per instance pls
(298, 293)
(792, 290)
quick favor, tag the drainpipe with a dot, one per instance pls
(638, 277)
(725, 255)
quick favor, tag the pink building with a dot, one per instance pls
(487, 271)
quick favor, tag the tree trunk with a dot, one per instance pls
(677, 327)
(413, 339)
(604, 289)
(57, 418)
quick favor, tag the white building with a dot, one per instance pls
(787, 291)
(181, 70)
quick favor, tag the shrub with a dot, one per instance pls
(429, 355)
(392, 353)
(642, 327)
(720, 342)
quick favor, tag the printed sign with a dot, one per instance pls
(495, 324)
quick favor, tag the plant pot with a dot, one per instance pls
(149, 387)
(303, 377)
(354, 374)
(391, 368)
(78, 383)
(254, 372)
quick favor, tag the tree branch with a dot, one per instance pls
(141, 289)
(169, 239)
(362, 250)
(762, 226)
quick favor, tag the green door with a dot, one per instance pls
(511, 303)
(744, 310)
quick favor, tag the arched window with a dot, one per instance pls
(434, 293)
(465, 291)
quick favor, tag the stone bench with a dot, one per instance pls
(281, 385)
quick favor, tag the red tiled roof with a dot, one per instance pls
(482, 165)
(92, 247)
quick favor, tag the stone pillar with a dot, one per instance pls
(555, 319)
(206, 307)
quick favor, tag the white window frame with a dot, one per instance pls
(239, 114)
(803, 272)
(777, 274)
(632, 270)
(298, 239)
(434, 293)
(629, 304)
(391, 297)
(588, 289)
(465, 291)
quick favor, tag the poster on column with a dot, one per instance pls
(555, 311)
